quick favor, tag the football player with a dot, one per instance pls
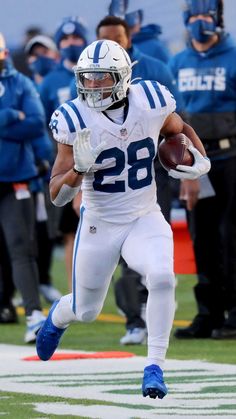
(107, 140)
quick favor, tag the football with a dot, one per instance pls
(173, 150)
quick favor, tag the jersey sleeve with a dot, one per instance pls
(156, 97)
(166, 98)
(59, 128)
(65, 122)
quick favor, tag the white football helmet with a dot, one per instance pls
(100, 60)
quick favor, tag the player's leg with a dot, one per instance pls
(96, 254)
(149, 250)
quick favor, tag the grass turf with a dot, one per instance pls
(105, 336)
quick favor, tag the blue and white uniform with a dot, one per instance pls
(119, 213)
(134, 143)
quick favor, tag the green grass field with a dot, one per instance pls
(50, 390)
(101, 335)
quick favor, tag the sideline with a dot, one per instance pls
(108, 318)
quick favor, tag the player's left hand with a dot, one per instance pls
(200, 167)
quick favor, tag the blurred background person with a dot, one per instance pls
(22, 119)
(146, 38)
(19, 55)
(70, 38)
(42, 58)
(205, 73)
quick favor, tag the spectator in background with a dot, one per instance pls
(19, 55)
(70, 38)
(42, 56)
(130, 290)
(22, 118)
(205, 73)
(146, 38)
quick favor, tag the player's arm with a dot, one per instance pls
(65, 182)
(71, 164)
(175, 125)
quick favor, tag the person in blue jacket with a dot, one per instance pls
(42, 58)
(130, 292)
(205, 73)
(146, 38)
(21, 119)
(70, 38)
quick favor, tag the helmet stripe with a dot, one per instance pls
(97, 51)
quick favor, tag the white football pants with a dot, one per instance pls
(146, 245)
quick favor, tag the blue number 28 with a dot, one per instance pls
(134, 162)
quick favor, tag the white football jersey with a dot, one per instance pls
(120, 186)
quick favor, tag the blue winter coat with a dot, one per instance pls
(207, 84)
(147, 41)
(55, 89)
(17, 92)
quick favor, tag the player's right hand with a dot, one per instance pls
(200, 167)
(85, 155)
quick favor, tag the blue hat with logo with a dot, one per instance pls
(70, 26)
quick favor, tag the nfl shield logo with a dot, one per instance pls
(92, 229)
(123, 132)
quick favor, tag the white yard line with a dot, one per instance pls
(193, 386)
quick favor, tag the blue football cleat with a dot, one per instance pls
(153, 383)
(48, 337)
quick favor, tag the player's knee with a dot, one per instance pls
(161, 280)
(87, 316)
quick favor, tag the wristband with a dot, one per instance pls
(78, 172)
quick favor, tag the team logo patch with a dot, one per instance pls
(123, 132)
(93, 229)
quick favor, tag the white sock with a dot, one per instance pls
(160, 316)
(63, 315)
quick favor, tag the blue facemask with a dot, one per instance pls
(42, 66)
(72, 52)
(201, 31)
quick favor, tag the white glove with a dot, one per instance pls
(84, 154)
(201, 166)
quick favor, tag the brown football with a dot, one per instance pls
(173, 150)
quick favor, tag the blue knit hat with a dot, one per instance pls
(70, 26)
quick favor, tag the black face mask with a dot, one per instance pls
(2, 65)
